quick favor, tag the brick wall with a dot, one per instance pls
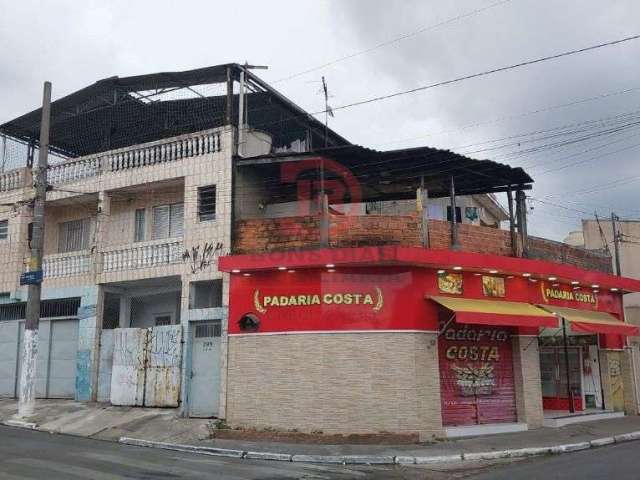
(288, 233)
(544, 249)
(336, 383)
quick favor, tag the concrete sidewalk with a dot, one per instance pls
(107, 422)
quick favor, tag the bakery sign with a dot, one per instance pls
(549, 292)
(374, 300)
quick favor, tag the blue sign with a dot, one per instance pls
(31, 278)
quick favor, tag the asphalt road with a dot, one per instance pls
(28, 454)
(615, 462)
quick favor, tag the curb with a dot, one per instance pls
(19, 424)
(385, 459)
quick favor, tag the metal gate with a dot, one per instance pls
(476, 375)
(204, 388)
(146, 366)
(56, 367)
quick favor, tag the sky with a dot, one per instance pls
(571, 122)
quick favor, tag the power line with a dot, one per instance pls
(391, 41)
(486, 72)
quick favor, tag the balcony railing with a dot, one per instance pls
(66, 264)
(150, 254)
(138, 156)
(14, 179)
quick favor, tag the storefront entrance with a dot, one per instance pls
(476, 375)
(553, 374)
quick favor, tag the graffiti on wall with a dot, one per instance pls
(202, 256)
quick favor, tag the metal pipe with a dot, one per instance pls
(454, 220)
(566, 359)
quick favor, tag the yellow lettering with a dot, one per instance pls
(327, 298)
(368, 300)
(357, 297)
(302, 300)
(266, 301)
(348, 299)
(315, 300)
(338, 299)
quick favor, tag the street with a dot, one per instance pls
(617, 461)
(28, 454)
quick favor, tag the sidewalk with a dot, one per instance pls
(106, 422)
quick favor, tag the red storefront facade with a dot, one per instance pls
(468, 319)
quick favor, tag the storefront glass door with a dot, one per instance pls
(553, 373)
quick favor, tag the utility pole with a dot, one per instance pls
(26, 401)
(616, 242)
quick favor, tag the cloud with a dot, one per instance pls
(73, 44)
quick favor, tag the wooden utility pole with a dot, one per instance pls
(616, 242)
(27, 398)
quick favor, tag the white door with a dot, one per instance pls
(128, 371)
(56, 364)
(9, 343)
(61, 378)
(204, 390)
(163, 369)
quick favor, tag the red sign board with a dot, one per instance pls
(476, 375)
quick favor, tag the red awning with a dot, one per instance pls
(497, 312)
(589, 321)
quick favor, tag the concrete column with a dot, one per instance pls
(89, 328)
(125, 311)
(104, 211)
(526, 375)
(629, 379)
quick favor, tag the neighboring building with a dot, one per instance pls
(138, 211)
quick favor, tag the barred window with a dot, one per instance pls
(207, 203)
(4, 229)
(73, 235)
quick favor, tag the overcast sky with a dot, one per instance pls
(75, 43)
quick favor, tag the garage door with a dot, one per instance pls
(56, 366)
(8, 357)
(62, 359)
(476, 375)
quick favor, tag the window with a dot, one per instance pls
(162, 320)
(4, 229)
(168, 221)
(205, 294)
(207, 203)
(458, 214)
(208, 330)
(139, 230)
(74, 235)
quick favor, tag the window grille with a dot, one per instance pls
(207, 203)
(74, 235)
(208, 330)
(162, 320)
(4, 229)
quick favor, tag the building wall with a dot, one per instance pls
(291, 233)
(111, 200)
(526, 369)
(336, 383)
